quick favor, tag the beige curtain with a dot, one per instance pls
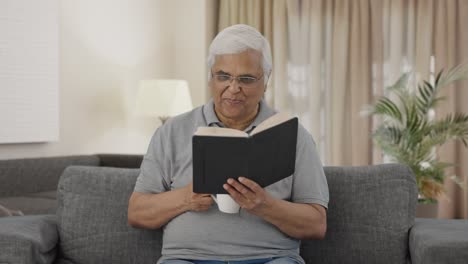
(332, 57)
(450, 48)
(427, 36)
(315, 45)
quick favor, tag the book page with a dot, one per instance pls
(220, 132)
(271, 122)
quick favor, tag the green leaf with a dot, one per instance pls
(437, 79)
(407, 135)
(387, 108)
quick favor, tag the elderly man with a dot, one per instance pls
(272, 220)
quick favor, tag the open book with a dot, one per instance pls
(265, 156)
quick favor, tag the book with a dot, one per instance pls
(265, 156)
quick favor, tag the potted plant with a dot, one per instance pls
(409, 133)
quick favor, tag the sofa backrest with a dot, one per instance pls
(370, 212)
(32, 175)
(92, 218)
(120, 160)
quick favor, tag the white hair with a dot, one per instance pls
(236, 39)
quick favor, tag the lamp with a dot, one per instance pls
(163, 98)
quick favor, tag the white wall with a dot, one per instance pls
(106, 47)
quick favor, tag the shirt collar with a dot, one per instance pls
(210, 115)
(211, 119)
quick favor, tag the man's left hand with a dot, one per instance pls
(249, 195)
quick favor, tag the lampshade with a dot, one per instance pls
(163, 98)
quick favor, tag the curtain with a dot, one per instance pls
(314, 46)
(450, 48)
(427, 36)
(332, 57)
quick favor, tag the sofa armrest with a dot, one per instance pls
(439, 241)
(28, 239)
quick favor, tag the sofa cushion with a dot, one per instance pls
(47, 195)
(30, 205)
(370, 212)
(92, 218)
(28, 239)
(439, 241)
(16, 175)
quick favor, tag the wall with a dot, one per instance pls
(106, 47)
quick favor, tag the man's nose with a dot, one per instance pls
(234, 85)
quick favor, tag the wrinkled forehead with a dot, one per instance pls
(246, 61)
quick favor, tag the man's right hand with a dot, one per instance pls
(147, 210)
(196, 201)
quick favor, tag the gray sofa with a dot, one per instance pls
(370, 220)
(29, 186)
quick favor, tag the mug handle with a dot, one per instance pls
(214, 198)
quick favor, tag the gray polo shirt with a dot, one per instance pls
(212, 235)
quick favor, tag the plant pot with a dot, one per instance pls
(426, 210)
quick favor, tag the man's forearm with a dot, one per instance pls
(155, 210)
(301, 221)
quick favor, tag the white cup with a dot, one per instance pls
(226, 204)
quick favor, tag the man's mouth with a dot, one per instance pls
(233, 101)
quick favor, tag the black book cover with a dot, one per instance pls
(265, 157)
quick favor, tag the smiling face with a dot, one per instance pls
(237, 102)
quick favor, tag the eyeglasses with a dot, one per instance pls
(246, 81)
